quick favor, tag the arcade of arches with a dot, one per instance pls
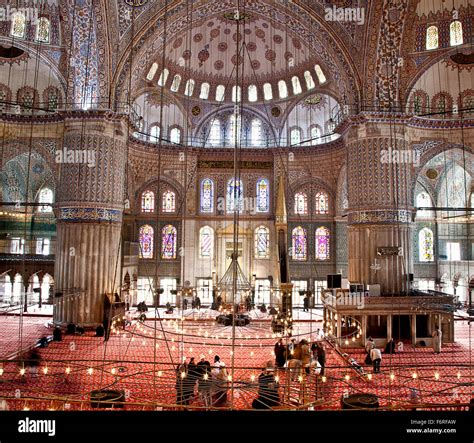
(154, 152)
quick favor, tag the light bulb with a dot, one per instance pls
(392, 376)
(45, 370)
(369, 376)
(229, 377)
(323, 378)
(22, 371)
(347, 377)
(183, 374)
(1, 371)
(113, 371)
(160, 373)
(206, 376)
(68, 370)
(414, 375)
(90, 371)
(300, 378)
(436, 375)
(277, 379)
(458, 375)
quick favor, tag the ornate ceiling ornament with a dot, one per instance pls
(237, 16)
(136, 3)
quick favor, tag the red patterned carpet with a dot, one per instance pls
(142, 360)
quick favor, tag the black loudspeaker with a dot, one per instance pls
(334, 281)
(107, 398)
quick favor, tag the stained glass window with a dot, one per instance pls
(256, 132)
(220, 93)
(45, 196)
(43, 30)
(309, 80)
(298, 244)
(215, 133)
(322, 243)
(155, 133)
(423, 200)
(282, 89)
(235, 129)
(236, 93)
(148, 201)
(26, 96)
(207, 195)
(295, 81)
(432, 37)
(455, 33)
(425, 243)
(168, 242)
(301, 203)
(322, 203)
(315, 135)
(267, 91)
(169, 201)
(262, 242)
(176, 82)
(417, 104)
(18, 28)
(152, 71)
(320, 74)
(204, 94)
(189, 87)
(253, 95)
(235, 195)
(146, 241)
(163, 77)
(295, 136)
(263, 195)
(175, 135)
(206, 240)
(53, 98)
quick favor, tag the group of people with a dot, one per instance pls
(300, 352)
(211, 381)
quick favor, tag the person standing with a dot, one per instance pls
(369, 345)
(305, 355)
(321, 355)
(305, 303)
(376, 357)
(279, 350)
(204, 382)
(437, 335)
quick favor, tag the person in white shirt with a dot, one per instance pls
(376, 357)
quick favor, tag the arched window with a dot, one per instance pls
(176, 82)
(299, 244)
(206, 241)
(262, 242)
(169, 201)
(432, 37)
(163, 77)
(256, 132)
(425, 244)
(235, 195)
(215, 133)
(189, 89)
(175, 135)
(263, 195)
(155, 133)
(455, 33)
(315, 134)
(27, 96)
(423, 200)
(45, 287)
(51, 97)
(235, 129)
(18, 287)
(220, 93)
(146, 241)
(204, 95)
(253, 95)
(267, 91)
(148, 201)
(282, 89)
(295, 136)
(207, 196)
(320, 74)
(236, 93)
(301, 203)
(322, 243)
(322, 203)
(45, 196)
(309, 80)
(18, 28)
(43, 28)
(295, 81)
(169, 238)
(152, 71)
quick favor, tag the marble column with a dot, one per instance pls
(380, 210)
(89, 205)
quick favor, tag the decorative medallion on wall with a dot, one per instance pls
(276, 111)
(136, 3)
(432, 174)
(196, 110)
(236, 16)
(313, 100)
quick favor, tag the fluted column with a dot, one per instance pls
(89, 213)
(380, 210)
